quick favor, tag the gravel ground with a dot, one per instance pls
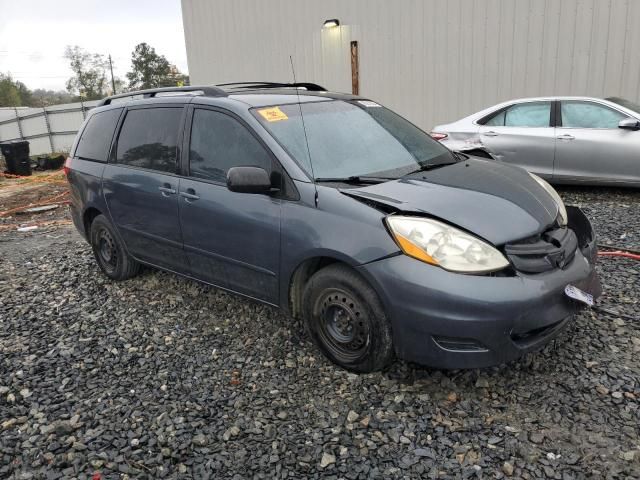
(162, 377)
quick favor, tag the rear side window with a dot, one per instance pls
(534, 114)
(496, 120)
(149, 138)
(96, 137)
(219, 142)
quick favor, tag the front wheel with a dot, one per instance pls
(109, 252)
(344, 317)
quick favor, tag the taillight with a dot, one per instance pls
(67, 166)
(438, 136)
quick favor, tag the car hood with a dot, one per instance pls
(500, 203)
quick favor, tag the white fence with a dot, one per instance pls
(50, 129)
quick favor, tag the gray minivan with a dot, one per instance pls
(338, 211)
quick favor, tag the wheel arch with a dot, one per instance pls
(305, 269)
(88, 216)
(301, 274)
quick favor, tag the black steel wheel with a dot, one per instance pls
(345, 318)
(110, 254)
(343, 327)
(107, 250)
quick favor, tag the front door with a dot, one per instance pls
(141, 187)
(591, 147)
(231, 239)
(522, 135)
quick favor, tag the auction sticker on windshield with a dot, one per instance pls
(273, 114)
(577, 294)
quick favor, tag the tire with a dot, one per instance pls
(344, 317)
(112, 258)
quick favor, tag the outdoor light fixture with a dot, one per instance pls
(334, 22)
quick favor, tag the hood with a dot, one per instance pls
(500, 203)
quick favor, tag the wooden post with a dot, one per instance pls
(355, 69)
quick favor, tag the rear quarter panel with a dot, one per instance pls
(460, 135)
(85, 185)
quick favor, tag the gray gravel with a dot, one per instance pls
(161, 377)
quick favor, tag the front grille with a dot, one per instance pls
(553, 249)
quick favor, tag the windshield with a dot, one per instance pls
(625, 103)
(348, 139)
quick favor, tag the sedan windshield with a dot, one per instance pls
(348, 140)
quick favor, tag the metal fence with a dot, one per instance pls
(49, 129)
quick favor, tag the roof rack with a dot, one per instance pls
(207, 91)
(312, 87)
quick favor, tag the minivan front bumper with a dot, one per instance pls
(449, 320)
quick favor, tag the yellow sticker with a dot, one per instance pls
(273, 114)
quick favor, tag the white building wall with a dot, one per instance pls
(431, 60)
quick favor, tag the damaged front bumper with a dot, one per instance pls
(449, 320)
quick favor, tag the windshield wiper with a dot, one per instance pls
(356, 179)
(430, 166)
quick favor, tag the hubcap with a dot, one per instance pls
(344, 328)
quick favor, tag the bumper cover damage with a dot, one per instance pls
(448, 320)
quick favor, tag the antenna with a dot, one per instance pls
(304, 129)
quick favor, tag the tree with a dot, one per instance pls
(26, 95)
(90, 73)
(14, 93)
(177, 78)
(121, 86)
(43, 98)
(151, 70)
(9, 92)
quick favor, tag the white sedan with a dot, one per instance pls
(563, 139)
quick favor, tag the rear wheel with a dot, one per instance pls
(344, 317)
(109, 252)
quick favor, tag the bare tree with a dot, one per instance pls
(90, 73)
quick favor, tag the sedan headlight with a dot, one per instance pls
(562, 210)
(440, 244)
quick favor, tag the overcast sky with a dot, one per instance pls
(34, 33)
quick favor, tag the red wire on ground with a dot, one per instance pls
(619, 253)
(54, 199)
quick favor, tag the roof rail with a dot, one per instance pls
(207, 91)
(312, 87)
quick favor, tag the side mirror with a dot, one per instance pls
(629, 124)
(248, 180)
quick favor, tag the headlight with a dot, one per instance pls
(440, 244)
(562, 211)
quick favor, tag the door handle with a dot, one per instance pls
(490, 133)
(189, 195)
(167, 190)
(565, 136)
